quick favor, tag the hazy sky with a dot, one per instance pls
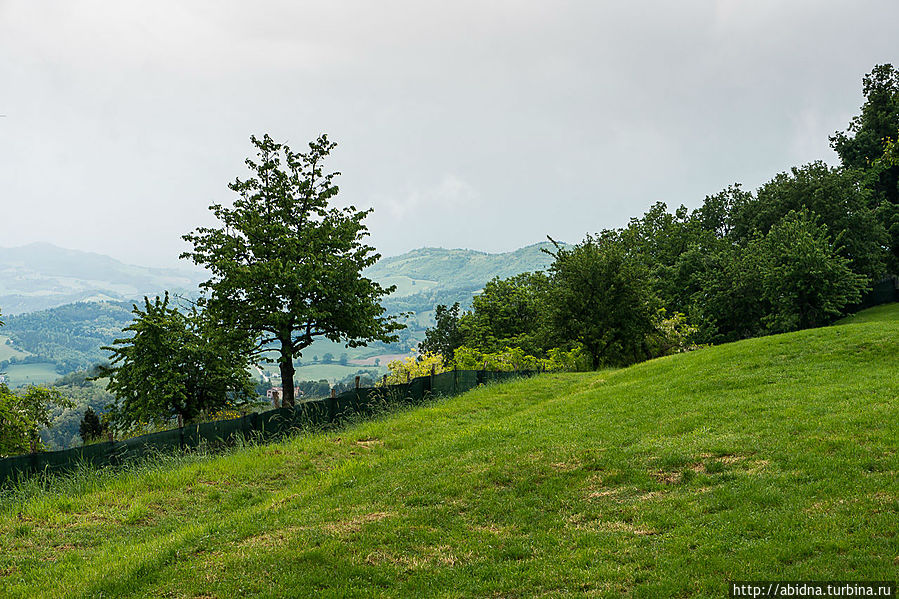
(485, 125)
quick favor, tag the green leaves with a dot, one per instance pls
(175, 364)
(286, 266)
(602, 298)
(24, 414)
(803, 279)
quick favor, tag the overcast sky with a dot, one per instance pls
(485, 125)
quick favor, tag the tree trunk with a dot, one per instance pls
(287, 371)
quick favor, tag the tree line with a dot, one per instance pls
(795, 254)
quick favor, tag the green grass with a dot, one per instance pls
(406, 286)
(771, 458)
(884, 313)
(31, 374)
(8, 351)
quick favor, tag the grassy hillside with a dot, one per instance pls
(772, 458)
(7, 350)
(445, 268)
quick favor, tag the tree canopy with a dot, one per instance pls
(286, 266)
(175, 365)
(602, 298)
(866, 142)
(23, 415)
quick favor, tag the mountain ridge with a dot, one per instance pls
(42, 275)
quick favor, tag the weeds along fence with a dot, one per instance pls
(361, 402)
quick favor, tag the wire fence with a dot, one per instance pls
(361, 402)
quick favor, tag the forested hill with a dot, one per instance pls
(429, 276)
(438, 268)
(69, 336)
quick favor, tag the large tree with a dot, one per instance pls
(863, 141)
(286, 266)
(862, 145)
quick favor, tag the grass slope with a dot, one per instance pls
(7, 350)
(40, 373)
(772, 458)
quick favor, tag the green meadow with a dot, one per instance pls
(39, 373)
(771, 458)
(7, 350)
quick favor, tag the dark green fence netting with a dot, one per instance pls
(357, 403)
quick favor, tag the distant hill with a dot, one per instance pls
(41, 275)
(61, 306)
(429, 269)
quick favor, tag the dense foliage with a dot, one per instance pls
(22, 416)
(797, 253)
(286, 267)
(175, 364)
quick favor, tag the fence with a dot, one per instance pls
(359, 402)
(883, 292)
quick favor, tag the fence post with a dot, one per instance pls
(431, 380)
(357, 381)
(332, 406)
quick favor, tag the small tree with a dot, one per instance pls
(445, 337)
(175, 365)
(23, 415)
(287, 268)
(805, 282)
(510, 313)
(91, 428)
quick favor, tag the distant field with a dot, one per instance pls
(407, 286)
(31, 374)
(8, 351)
(384, 358)
(331, 372)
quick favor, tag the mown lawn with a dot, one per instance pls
(771, 458)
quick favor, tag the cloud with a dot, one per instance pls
(450, 194)
(536, 117)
